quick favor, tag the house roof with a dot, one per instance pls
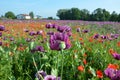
(24, 14)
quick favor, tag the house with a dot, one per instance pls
(23, 16)
(37, 17)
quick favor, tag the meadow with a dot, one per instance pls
(59, 50)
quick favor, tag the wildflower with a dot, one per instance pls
(118, 44)
(2, 28)
(81, 68)
(49, 25)
(99, 74)
(26, 30)
(116, 56)
(40, 74)
(117, 76)
(78, 30)
(39, 32)
(39, 48)
(0, 43)
(0, 34)
(113, 66)
(32, 33)
(85, 31)
(80, 39)
(85, 61)
(50, 33)
(103, 37)
(28, 39)
(11, 39)
(96, 36)
(111, 51)
(109, 72)
(51, 77)
(63, 28)
(57, 38)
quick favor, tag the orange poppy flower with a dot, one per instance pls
(118, 44)
(85, 61)
(85, 55)
(113, 66)
(90, 40)
(81, 68)
(99, 74)
(80, 39)
(111, 51)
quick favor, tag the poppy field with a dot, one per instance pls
(59, 50)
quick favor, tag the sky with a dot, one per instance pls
(47, 8)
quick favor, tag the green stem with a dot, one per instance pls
(62, 63)
(35, 64)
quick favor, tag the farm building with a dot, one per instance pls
(23, 16)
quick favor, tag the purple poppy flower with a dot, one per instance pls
(49, 25)
(4, 38)
(2, 28)
(109, 72)
(96, 36)
(40, 48)
(117, 76)
(39, 74)
(33, 50)
(103, 37)
(26, 30)
(69, 34)
(51, 77)
(110, 39)
(11, 39)
(78, 30)
(116, 56)
(86, 31)
(63, 28)
(0, 34)
(39, 32)
(115, 36)
(57, 38)
(32, 33)
(50, 33)
(28, 39)
(54, 26)
(0, 43)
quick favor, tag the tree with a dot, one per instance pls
(106, 15)
(31, 14)
(84, 14)
(75, 13)
(100, 15)
(119, 18)
(114, 16)
(50, 18)
(10, 15)
(69, 14)
(62, 14)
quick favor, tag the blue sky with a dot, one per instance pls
(48, 8)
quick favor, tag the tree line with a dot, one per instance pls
(97, 15)
(11, 15)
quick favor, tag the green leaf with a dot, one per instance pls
(1, 49)
(92, 71)
(32, 45)
(54, 72)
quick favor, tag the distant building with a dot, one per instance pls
(23, 16)
(37, 17)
